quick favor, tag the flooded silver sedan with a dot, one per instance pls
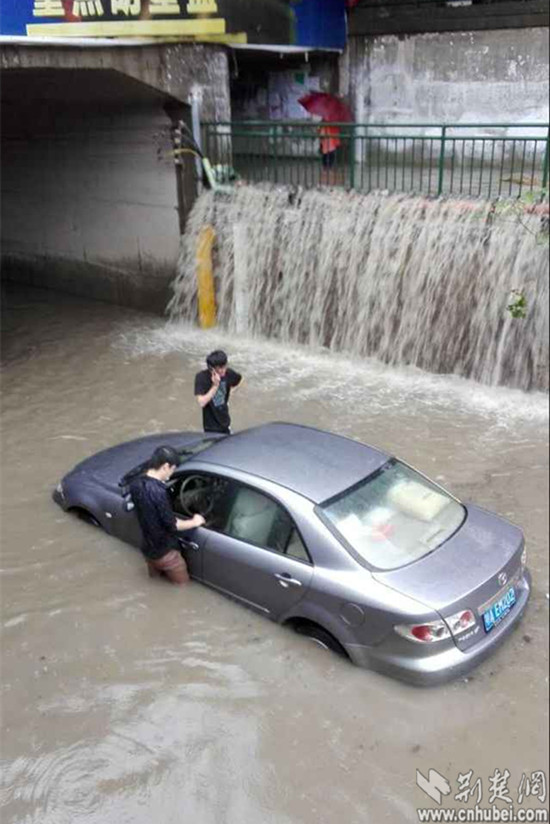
(334, 538)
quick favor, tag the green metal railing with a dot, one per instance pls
(474, 160)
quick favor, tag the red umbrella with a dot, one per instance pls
(330, 108)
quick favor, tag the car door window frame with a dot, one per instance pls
(241, 484)
(177, 480)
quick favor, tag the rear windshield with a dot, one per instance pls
(394, 517)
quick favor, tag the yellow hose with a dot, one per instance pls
(183, 151)
(205, 278)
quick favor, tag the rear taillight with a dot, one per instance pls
(438, 630)
(461, 621)
(424, 633)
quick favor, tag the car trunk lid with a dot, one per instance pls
(474, 567)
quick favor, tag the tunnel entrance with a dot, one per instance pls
(92, 200)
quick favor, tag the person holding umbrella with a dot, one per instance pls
(332, 111)
(329, 144)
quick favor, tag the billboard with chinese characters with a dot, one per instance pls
(269, 22)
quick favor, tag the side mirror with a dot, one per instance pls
(128, 504)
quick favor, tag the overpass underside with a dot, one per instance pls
(92, 200)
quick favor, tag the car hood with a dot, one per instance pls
(110, 465)
(464, 570)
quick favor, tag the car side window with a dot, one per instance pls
(239, 512)
(208, 495)
(257, 519)
(252, 518)
(295, 547)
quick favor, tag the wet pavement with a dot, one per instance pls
(128, 701)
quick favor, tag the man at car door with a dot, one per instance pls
(158, 522)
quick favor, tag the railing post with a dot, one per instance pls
(274, 154)
(441, 162)
(545, 164)
(197, 133)
(352, 158)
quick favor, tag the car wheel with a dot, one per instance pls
(321, 637)
(86, 516)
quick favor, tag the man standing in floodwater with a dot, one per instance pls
(212, 389)
(158, 522)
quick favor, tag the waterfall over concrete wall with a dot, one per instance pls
(396, 277)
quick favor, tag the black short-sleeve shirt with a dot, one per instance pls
(215, 415)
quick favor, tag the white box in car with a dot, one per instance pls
(417, 500)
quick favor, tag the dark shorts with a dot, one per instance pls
(329, 159)
(172, 565)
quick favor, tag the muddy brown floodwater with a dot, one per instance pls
(126, 701)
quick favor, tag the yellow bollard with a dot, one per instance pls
(205, 278)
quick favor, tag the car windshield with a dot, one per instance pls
(395, 517)
(185, 453)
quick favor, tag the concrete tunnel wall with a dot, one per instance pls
(89, 204)
(494, 76)
(89, 193)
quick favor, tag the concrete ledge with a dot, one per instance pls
(181, 70)
(147, 288)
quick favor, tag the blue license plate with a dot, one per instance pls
(499, 610)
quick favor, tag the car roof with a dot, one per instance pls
(314, 463)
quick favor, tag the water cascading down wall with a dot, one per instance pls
(403, 279)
